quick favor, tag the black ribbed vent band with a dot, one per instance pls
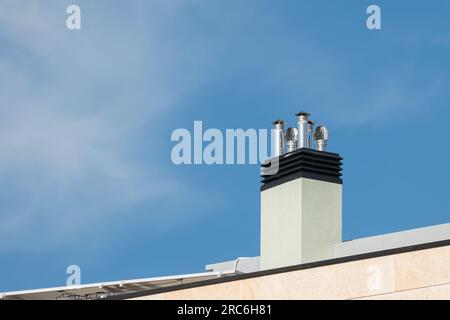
(303, 163)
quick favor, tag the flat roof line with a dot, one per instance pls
(419, 247)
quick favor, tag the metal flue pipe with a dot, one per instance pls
(278, 138)
(309, 134)
(302, 124)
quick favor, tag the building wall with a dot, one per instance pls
(423, 274)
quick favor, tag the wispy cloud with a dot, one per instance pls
(73, 107)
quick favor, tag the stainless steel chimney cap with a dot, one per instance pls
(291, 134)
(321, 134)
(279, 123)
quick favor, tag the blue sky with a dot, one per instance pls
(86, 118)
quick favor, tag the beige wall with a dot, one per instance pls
(421, 274)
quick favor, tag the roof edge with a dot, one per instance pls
(364, 256)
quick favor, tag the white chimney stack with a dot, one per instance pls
(301, 206)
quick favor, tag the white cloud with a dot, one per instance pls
(72, 108)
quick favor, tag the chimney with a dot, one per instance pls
(301, 205)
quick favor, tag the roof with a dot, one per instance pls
(108, 289)
(241, 268)
(264, 273)
(361, 246)
(393, 240)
